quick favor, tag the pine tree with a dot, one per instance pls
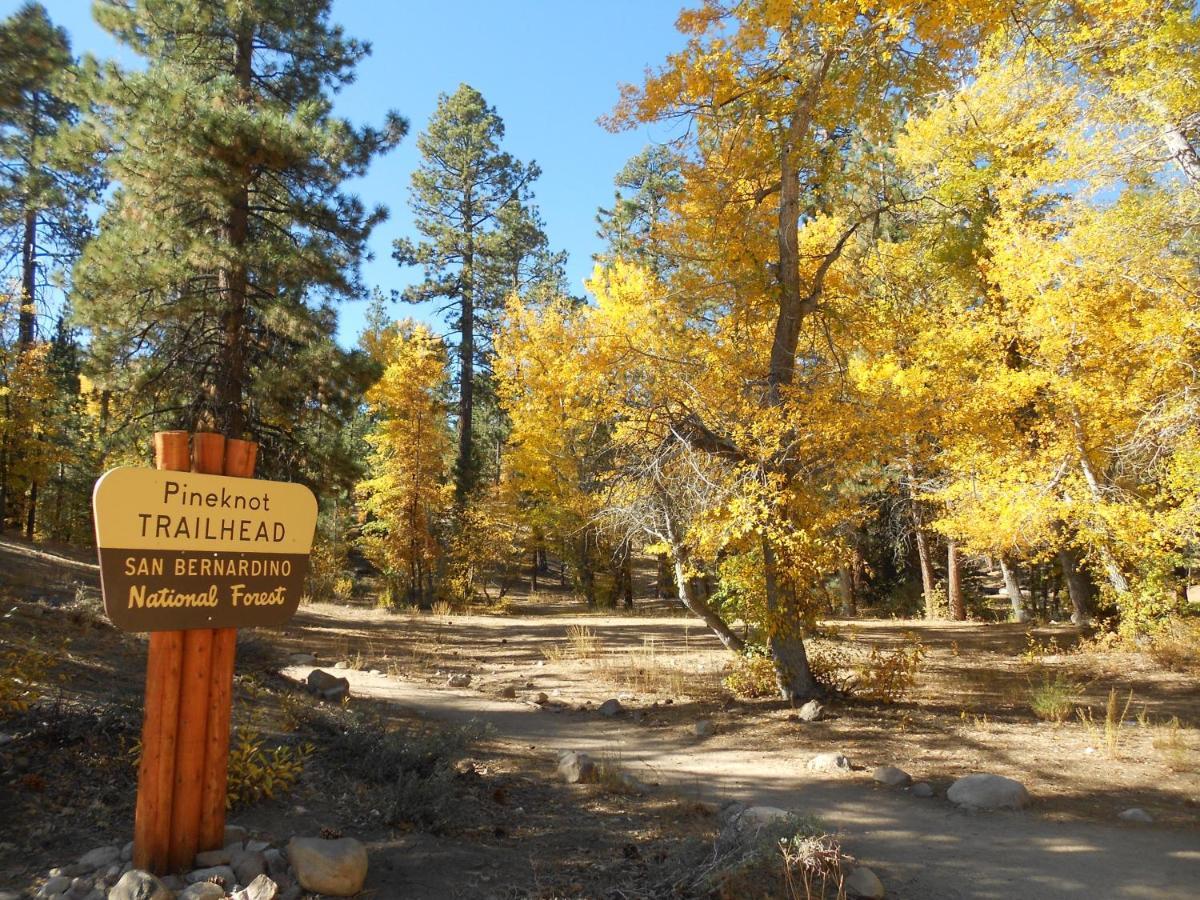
(481, 240)
(207, 288)
(44, 195)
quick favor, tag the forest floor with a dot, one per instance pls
(511, 829)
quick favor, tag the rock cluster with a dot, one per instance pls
(241, 870)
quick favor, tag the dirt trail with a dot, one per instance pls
(920, 848)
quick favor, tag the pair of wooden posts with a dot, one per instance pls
(189, 700)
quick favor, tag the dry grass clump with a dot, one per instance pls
(1054, 699)
(1176, 646)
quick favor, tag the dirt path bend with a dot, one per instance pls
(921, 849)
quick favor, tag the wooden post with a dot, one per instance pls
(164, 665)
(208, 457)
(239, 463)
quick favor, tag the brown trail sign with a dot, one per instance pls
(191, 557)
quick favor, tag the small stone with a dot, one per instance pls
(922, 789)
(341, 665)
(95, 894)
(174, 883)
(862, 882)
(541, 699)
(81, 885)
(576, 767)
(139, 885)
(610, 708)
(891, 776)
(337, 868)
(459, 680)
(101, 856)
(208, 858)
(982, 791)
(508, 692)
(277, 864)
(261, 888)
(59, 884)
(374, 672)
(235, 834)
(704, 728)
(225, 873)
(257, 846)
(127, 852)
(204, 890)
(302, 659)
(249, 866)
(1136, 814)
(829, 762)
(810, 711)
(292, 892)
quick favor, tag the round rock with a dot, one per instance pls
(704, 728)
(862, 882)
(337, 868)
(138, 885)
(830, 762)
(922, 789)
(610, 708)
(891, 776)
(981, 791)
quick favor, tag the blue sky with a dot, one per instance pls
(550, 67)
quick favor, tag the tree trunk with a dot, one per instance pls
(784, 640)
(846, 589)
(533, 574)
(1112, 568)
(702, 610)
(233, 280)
(31, 512)
(926, 563)
(1078, 585)
(27, 320)
(1013, 589)
(627, 576)
(958, 610)
(463, 474)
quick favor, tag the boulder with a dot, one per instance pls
(576, 767)
(982, 791)
(1136, 814)
(922, 789)
(328, 687)
(203, 890)
(337, 868)
(610, 708)
(891, 776)
(508, 692)
(810, 711)
(833, 762)
(862, 882)
(261, 888)
(704, 728)
(459, 680)
(138, 885)
(541, 699)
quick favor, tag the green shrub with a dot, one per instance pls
(752, 674)
(1053, 700)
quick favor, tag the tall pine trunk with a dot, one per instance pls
(846, 589)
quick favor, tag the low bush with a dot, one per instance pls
(752, 674)
(889, 676)
(256, 773)
(1176, 645)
